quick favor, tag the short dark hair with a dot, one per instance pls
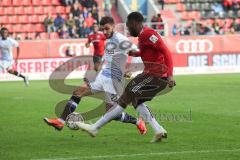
(135, 16)
(106, 20)
(4, 29)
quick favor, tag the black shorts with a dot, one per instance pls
(142, 88)
(97, 59)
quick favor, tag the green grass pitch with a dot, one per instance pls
(211, 131)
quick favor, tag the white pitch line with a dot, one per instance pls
(141, 154)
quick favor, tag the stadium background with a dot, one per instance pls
(203, 39)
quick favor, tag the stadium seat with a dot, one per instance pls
(39, 10)
(4, 19)
(56, 2)
(23, 35)
(14, 19)
(29, 28)
(39, 28)
(9, 27)
(185, 16)
(44, 35)
(19, 10)
(29, 10)
(67, 9)
(5, 3)
(26, 2)
(54, 35)
(41, 18)
(46, 2)
(180, 7)
(16, 2)
(24, 19)
(31, 35)
(34, 19)
(60, 9)
(9, 11)
(36, 2)
(18, 28)
(2, 11)
(49, 9)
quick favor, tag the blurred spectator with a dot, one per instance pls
(49, 23)
(63, 33)
(90, 20)
(154, 20)
(107, 7)
(88, 3)
(73, 32)
(161, 2)
(95, 13)
(58, 22)
(70, 21)
(227, 4)
(217, 7)
(216, 27)
(160, 26)
(174, 30)
(80, 20)
(75, 10)
(67, 2)
(83, 30)
(85, 13)
(235, 25)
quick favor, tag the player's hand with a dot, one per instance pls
(171, 82)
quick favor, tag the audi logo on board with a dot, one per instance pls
(194, 46)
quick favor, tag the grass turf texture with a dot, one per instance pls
(213, 132)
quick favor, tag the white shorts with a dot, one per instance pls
(111, 88)
(5, 65)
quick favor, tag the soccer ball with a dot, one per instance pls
(72, 119)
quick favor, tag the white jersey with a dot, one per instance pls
(115, 56)
(6, 48)
(110, 78)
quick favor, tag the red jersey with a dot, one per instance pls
(155, 55)
(98, 40)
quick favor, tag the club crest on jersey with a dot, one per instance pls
(153, 39)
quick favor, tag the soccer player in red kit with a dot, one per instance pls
(97, 38)
(157, 75)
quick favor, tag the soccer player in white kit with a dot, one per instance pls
(6, 59)
(109, 80)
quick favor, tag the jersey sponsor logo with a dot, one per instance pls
(153, 39)
(194, 46)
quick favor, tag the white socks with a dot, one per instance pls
(147, 116)
(107, 117)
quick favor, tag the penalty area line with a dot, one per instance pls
(142, 154)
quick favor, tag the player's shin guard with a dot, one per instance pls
(126, 118)
(70, 106)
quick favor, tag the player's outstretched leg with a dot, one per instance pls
(148, 117)
(70, 107)
(16, 73)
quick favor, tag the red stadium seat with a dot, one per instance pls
(23, 35)
(39, 10)
(39, 28)
(36, 2)
(180, 7)
(41, 18)
(19, 10)
(50, 9)
(14, 19)
(9, 27)
(18, 28)
(56, 2)
(60, 9)
(29, 28)
(46, 2)
(185, 16)
(54, 35)
(5, 3)
(68, 9)
(26, 2)
(2, 11)
(31, 35)
(194, 15)
(34, 19)
(16, 2)
(24, 19)
(4, 19)
(9, 11)
(44, 35)
(29, 10)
